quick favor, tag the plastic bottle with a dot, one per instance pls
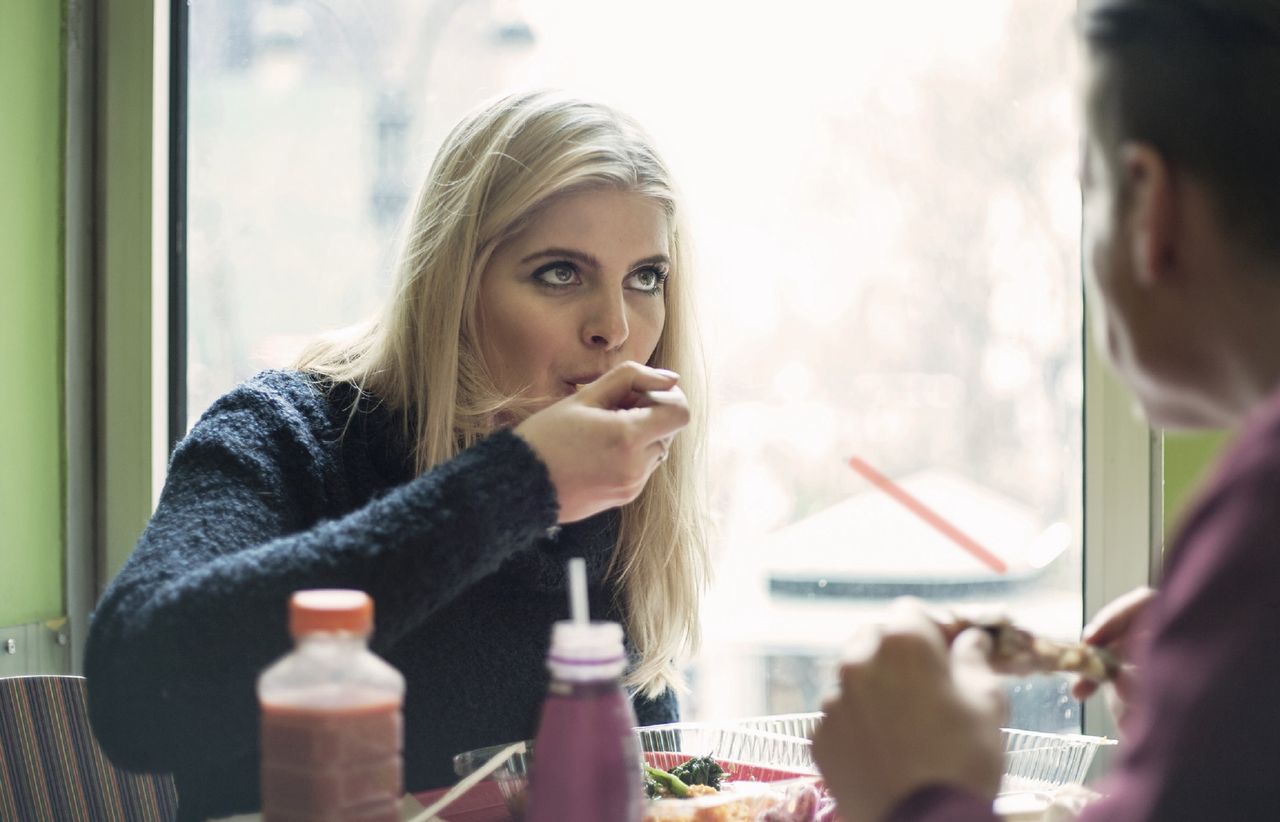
(586, 756)
(331, 724)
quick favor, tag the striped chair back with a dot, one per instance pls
(51, 767)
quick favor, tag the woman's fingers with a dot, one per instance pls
(656, 414)
(662, 448)
(660, 422)
(623, 385)
(602, 444)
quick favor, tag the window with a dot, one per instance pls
(885, 206)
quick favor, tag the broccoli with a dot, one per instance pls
(659, 783)
(701, 770)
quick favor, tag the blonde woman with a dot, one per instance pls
(517, 404)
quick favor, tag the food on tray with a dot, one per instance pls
(757, 772)
(683, 780)
(700, 790)
(701, 770)
(748, 802)
(659, 783)
(1019, 651)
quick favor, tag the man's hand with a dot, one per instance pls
(1114, 628)
(911, 714)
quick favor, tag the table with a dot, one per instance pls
(483, 803)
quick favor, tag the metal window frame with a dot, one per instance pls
(177, 223)
(81, 555)
(117, 286)
(1123, 507)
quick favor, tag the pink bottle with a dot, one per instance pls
(586, 757)
(331, 724)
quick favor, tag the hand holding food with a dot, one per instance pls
(910, 713)
(601, 444)
(1018, 651)
(1114, 629)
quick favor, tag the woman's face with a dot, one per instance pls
(577, 292)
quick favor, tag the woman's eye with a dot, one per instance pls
(649, 280)
(558, 274)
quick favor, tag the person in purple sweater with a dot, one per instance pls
(1182, 241)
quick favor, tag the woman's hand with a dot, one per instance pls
(601, 444)
(911, 714)
(1113, 628)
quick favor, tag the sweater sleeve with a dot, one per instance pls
(1201, 731)
(200, 608)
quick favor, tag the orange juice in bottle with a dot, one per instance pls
(331, 724)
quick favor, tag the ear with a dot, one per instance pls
(1152, 213)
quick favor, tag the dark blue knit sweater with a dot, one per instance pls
(277, 488)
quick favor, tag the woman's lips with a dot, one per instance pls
(577, 383)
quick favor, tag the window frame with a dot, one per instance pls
(1123, 504)
(121, 288)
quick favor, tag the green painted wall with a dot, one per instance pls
(124, 278)
(31, 301)
(1187, 460)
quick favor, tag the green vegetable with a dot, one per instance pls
(652, 789)
(658, 783)
(701, 770)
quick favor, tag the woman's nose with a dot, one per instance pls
(606, 324)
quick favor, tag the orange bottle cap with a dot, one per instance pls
(330, 610)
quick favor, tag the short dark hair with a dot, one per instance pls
(1200, 81)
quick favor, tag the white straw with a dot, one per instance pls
(578, 591)
(496, 761)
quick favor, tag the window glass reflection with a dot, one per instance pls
(886, 214)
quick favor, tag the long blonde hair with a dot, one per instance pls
(494, 172)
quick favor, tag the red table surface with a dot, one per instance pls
(483, 803)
